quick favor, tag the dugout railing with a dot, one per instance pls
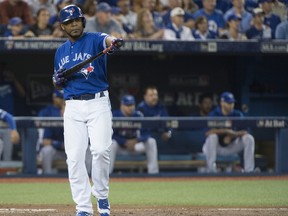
(28, 129)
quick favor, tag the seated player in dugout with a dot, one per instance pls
(127, 141)
(151, 107)
(9, 121)
(228, 141)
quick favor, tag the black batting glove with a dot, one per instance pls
(116, 44)
(58, 78)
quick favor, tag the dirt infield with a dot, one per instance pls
(121, 210)
(57, 210)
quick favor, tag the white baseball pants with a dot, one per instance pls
(84, 121)
(149, 148)
(212, 148)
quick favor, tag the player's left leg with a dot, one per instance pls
(100, 133)
(248, 143)
(152, 155)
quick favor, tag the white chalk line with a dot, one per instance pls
(25, 210)
(252, 209)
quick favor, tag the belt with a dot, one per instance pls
(88, 96)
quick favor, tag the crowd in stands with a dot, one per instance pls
(151, 19)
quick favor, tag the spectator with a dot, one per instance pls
(189, 6)
(41, 28)
(228, 141)
(145, 28)
(188, 18)
(205, 105)
(15, 8)
(232, 33)
(136, 5)
(239, 10)
(127, 16)
(281, 32)
(176, 29)
(279, 9)
(215, 18)
(270, 19)
(201, 31)
(157, 17)
(259, 30)
(8, 118)
(132, 141)
(104, 22)
(151, 107)
(36, 5)
(16, 29)
(54, 20)
(89, 9)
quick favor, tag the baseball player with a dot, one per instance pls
(14, 135)
(87, 115)
(151, 107)
(133, 141)
(50, 140)
(228, 141)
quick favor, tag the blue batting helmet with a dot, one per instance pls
(71, 12)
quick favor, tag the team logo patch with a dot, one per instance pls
(87, 71)
(70, 11)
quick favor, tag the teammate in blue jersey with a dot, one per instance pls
(87, 115)
(51, 140)
(228, 141)
(131, 140)
(151, 107)
(11, 124)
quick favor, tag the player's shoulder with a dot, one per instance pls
(117, 113)
(95, 35)
(237, 112)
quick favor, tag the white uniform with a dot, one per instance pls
(212, 148)
(148, 147)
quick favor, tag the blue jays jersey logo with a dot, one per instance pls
(70, 11)
(86, 71)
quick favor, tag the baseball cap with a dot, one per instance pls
(128, 100)
(233, 17)
(15, 21)
(104, 7)
(58, 93)
(178, 11)
(257, 11)
(227, 97)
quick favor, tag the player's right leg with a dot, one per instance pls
(76, 143)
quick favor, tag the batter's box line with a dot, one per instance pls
(25, 210)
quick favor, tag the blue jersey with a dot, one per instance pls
(215, 20)
(218, 113)
(56, 135)
(122, 134)
(90, 79)
(272, 21)
(156, 111)
(8, 118)
(50, 111)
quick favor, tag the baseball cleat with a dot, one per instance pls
(103, 207)
(83, 214)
